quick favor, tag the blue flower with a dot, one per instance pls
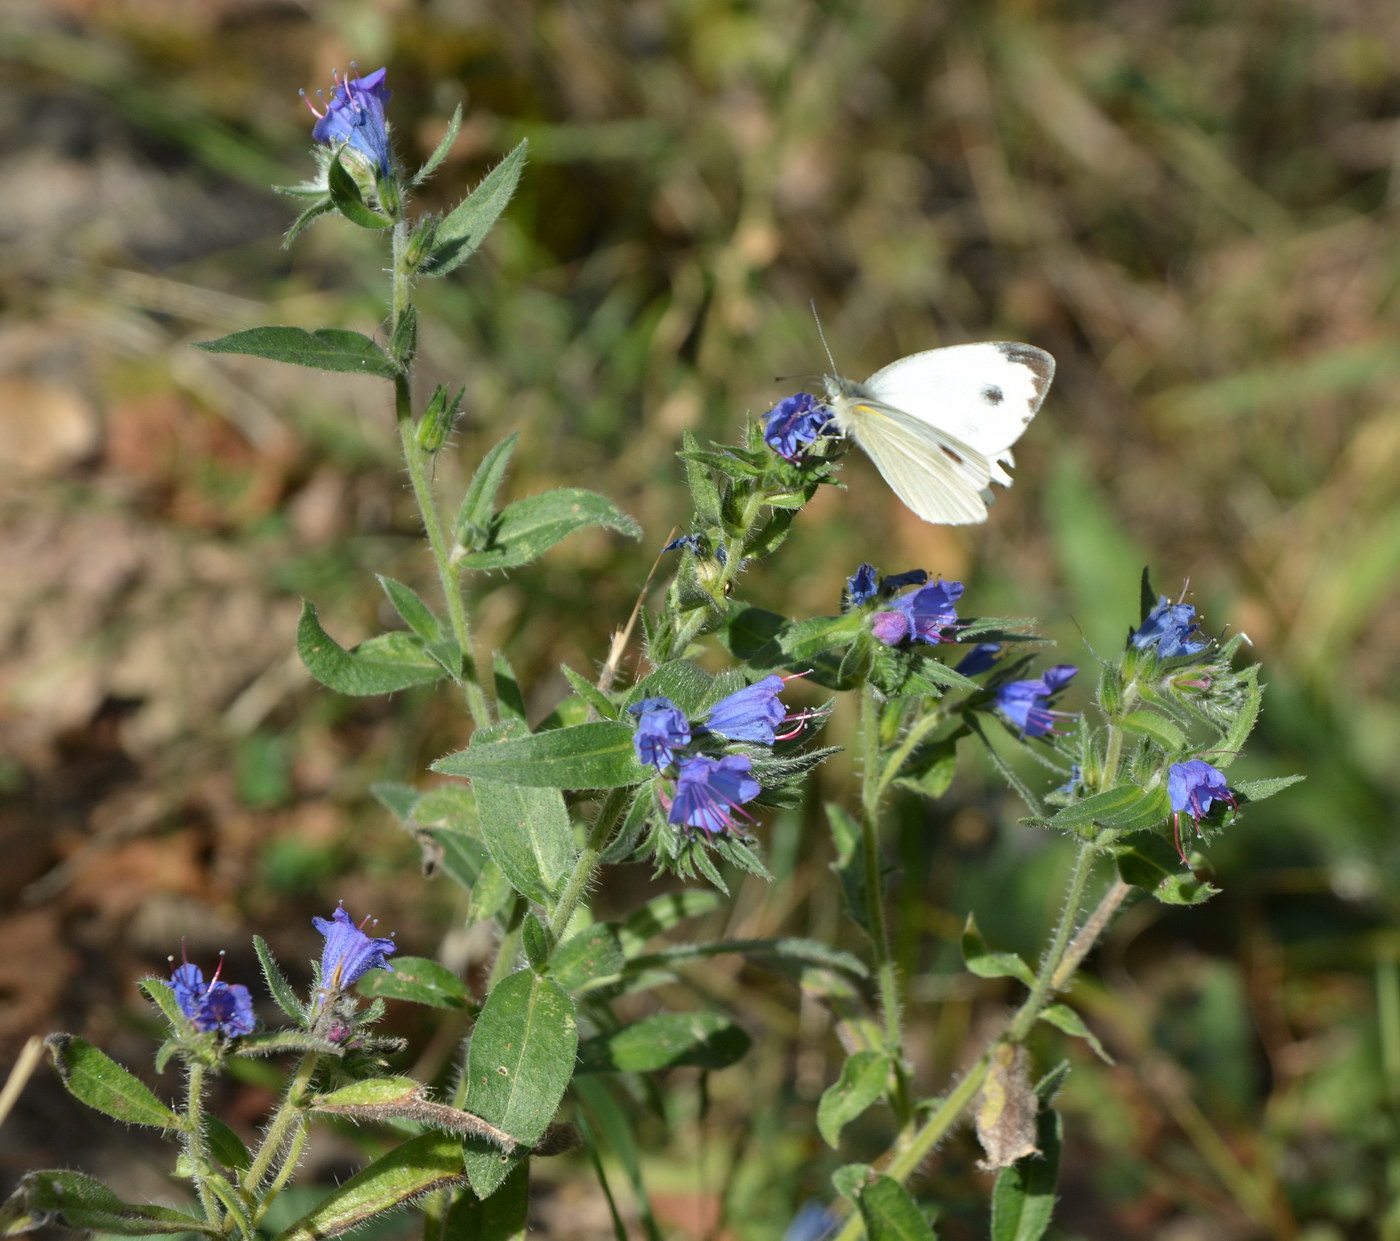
(920, 615)
(979, 659)
(860, 586)
(1023, 702)
(661, 730)
(813, 1222)
(749, 714)
(221, 1006)
(793, 422)
(1194, 787)
(349, 952)
(1170, 629)
(709, 790)
(355, 118)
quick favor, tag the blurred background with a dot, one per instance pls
(1192, 205)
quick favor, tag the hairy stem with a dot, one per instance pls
(582, 874)
(195, 1143)
(280, 1139)
(474, 681)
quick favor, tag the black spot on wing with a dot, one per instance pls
(1040, 364)
(993, 395)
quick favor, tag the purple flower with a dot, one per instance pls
(1194, 786)
(709, 790)
(1023, 703)
(661, 730)
(979, 659)
(920, 615)
(750, 714)
(1170, 629)
(793, 422)
(225, 1007)
(355, 118)
(860, 586)
(349, 952)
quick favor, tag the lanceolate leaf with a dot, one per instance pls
(390, 662)
(525, 530)
(862, 1081)
(479, 504)
(1023, 1199)
(465, 227)
(328, 349)
(99, 1081)
(665, 1041)
(890, 1214)
(587, 756)
(520, 1061)
(87, 1205)
(985, 963)
(418, 980)
(433, 1161)
(528, 834)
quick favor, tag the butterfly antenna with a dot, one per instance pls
(812, 303)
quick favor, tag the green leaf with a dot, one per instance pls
(685, 683)
(313, 212)
(890, 1214)
(1171, 737)
(528, 834)
(1023, 1198)
(433, 1161)
(327, 349)
(464, 228)
(224, 1145)
(1257, 790)
(597, 701)
(1062, 1017)
(703, 492)
(850, 1178)
(661, 913)
(525, 530)
(520, 1061)
(1126, 807)
(591, 957)
(501, 1217)
(162, 995)
(345, 193)
(417, 980)
(434, 161)
(665, 1041)
(94, 1078)
(278, 986)
(85, 1204)
(390, 662)
(862, 1081)
(850, 863)
(479, 504)
(587, 756)
(510, 702)
(1150, 862)
(417, 615)
(930, 769)
(985, 963)
(400, 800)
(535, 940)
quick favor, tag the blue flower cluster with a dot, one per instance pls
(793, 423)
(1026, 703)
(354, 117)
(709, 790)
(1170, 630)
(349, 952)
(221, 1006)
(1194, 787)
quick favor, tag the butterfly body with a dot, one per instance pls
(939, 425)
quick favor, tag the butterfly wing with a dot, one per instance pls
(939, 425)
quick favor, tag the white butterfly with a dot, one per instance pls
(939, 425)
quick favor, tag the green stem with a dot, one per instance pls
(582, 874)
(1050, 964)
(885, 971)
(195, 1144)
(474, 682)
(290, 1115)
(906, 747)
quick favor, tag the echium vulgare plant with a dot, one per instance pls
(677, 771)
